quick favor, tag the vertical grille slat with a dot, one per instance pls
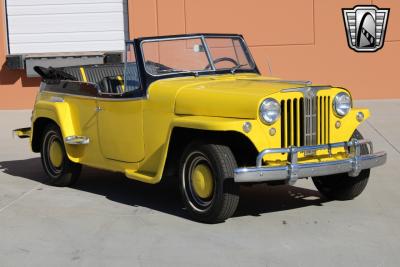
(302, 126)
(329, 120)
(323, 120)
(283, 123)
(297, 123)
(289, 131)
(320, 125)
(292, 119)
(305, 121)
(326, 119)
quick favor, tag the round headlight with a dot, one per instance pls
(270, 110)
(342, 104)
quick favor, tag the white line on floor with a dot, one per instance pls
(19, 198)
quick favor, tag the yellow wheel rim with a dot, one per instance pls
(56, 154)
(202, 181)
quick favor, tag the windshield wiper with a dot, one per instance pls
(234, 69)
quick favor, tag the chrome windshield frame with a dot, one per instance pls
(202, 37)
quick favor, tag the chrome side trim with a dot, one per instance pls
(292, 171)
(99, 98)
(56, 99)
(77, 140)
(43, 90)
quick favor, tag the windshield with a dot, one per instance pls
(196, 55)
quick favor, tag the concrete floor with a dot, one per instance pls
(107, 220)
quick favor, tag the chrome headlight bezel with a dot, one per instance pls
(342, 104)
(269, 111)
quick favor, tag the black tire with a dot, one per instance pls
(342, 186)
(66, 173)
(223, 201)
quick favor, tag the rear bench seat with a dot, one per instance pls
(94, 73)
(109, 77)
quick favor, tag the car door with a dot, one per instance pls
(120, 129)
(120, 119)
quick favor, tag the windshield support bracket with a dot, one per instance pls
(208, 52)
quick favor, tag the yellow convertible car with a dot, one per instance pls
(195, 108)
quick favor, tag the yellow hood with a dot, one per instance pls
(234, 96)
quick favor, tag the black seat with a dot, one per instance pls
(112, 85)
(115, 84)
(94, 73)
(97, 73)
(109, 77)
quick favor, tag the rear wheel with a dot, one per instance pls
(342, 186)
(59, 169)
(206, 182)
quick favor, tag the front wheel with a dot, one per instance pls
(342, 186)
(59, 169)
(206, 182)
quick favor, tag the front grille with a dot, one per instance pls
(305, 121)
(292, 122)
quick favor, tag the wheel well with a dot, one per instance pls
(38, 127)
(242, 148)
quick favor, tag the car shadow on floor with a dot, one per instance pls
(254, 201)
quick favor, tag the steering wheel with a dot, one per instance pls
(221, 59)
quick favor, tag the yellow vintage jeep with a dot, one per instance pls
(196, 108)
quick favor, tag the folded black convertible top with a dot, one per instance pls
(51, 73)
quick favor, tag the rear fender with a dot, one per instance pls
(60, 114)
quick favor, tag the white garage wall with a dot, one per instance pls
(44, 26)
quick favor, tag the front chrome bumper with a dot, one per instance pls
(352, 165)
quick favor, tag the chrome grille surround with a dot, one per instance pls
(309, 124)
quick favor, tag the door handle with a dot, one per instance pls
(98, 109)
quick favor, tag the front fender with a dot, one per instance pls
(257, 135)
(260, 134)
(203, 123)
